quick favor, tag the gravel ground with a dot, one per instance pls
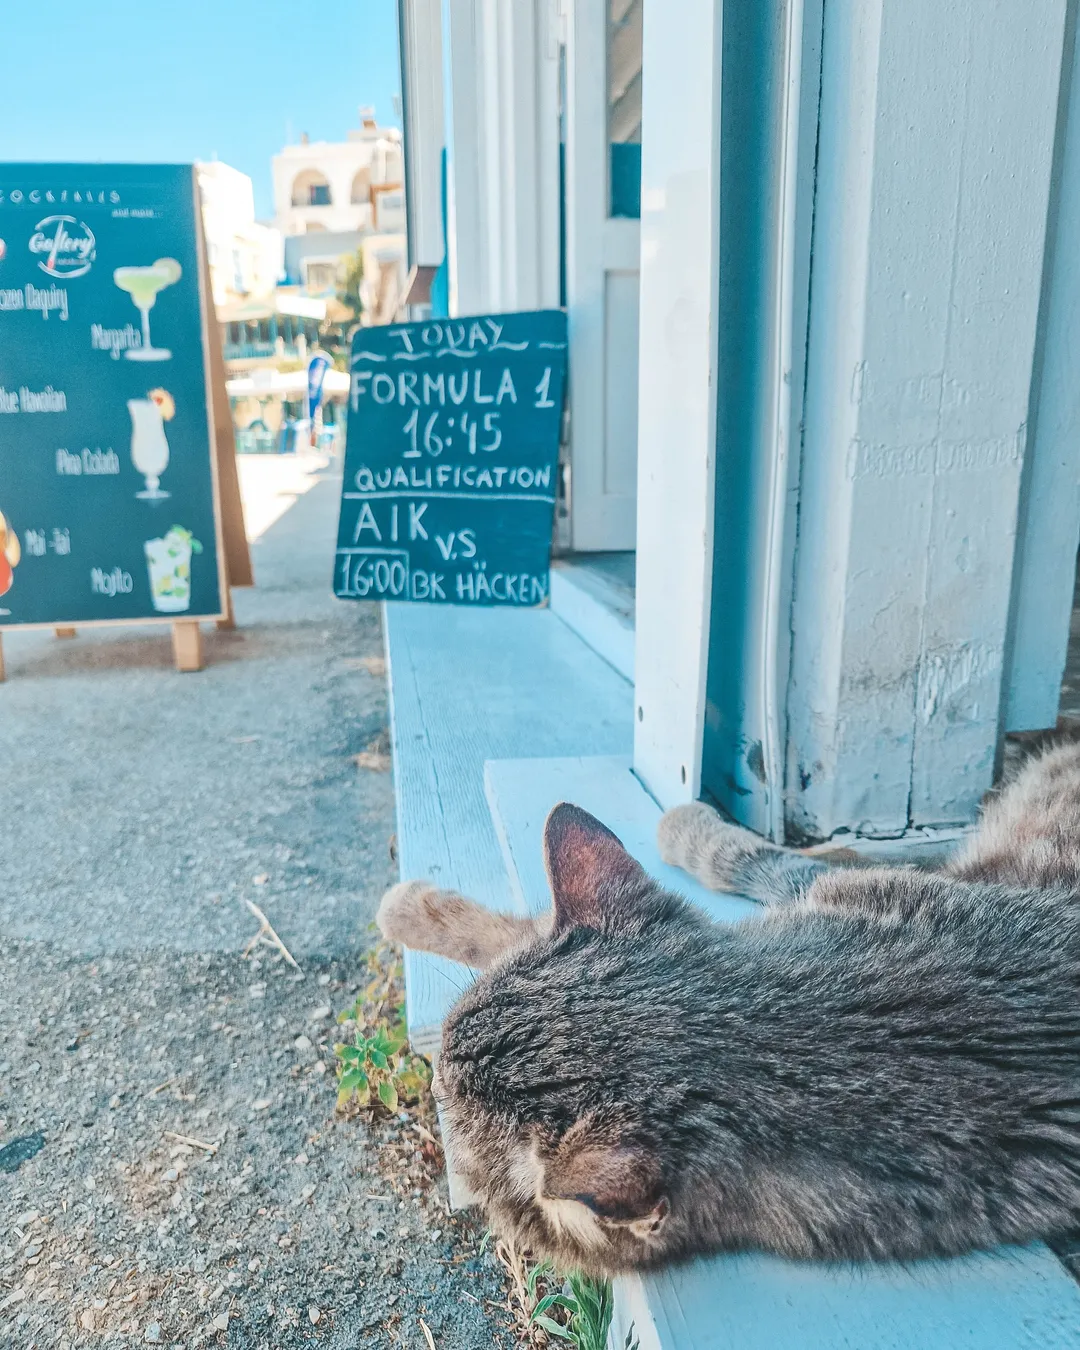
(191, 1184)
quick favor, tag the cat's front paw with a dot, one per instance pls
(405, 911)
(697, 839)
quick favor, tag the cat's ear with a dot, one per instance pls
(620, 1183)
(587, 868)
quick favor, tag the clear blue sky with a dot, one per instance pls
(179, 80)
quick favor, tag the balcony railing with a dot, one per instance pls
(250, 351)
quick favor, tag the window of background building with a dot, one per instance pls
(321, 276)
(624, 106)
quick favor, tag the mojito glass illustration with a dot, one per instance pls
(143, 284)
(169, 563)
(149, 447)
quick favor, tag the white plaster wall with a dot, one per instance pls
(937, 135)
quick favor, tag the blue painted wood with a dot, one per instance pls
(1005, 1300)
(595, 613)
(467, 686)
(1014, 1299)
(522, 792)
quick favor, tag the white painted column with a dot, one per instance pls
(501, 100)
(466, 240)
(521, 143)
(421, 81)
(936, 149)
(677, 382)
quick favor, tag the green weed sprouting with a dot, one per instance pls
(377, 1064)
(585, 1305)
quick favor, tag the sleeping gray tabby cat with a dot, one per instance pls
(884, 1064)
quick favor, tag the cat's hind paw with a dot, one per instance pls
(697, 839)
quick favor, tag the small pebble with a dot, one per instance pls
(302, 1043)
(221, 1322)
(152, 1332)
(261, 1104)
(171, 1175)
(324, 980)
(321, 1012)
(313, 1315)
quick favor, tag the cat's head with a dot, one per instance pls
(567, 1073)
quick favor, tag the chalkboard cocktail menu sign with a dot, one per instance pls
(108, 472)
(451, 459)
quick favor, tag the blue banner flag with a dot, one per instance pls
(316, 372)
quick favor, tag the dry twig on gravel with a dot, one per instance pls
(266, 937)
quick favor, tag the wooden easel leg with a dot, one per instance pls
(187, 645)
(228, 623)
(65, 632)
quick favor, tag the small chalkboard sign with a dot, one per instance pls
(110, 368)
(451, 460)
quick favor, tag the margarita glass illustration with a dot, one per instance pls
(10, 553)
(149, 447)
(143, 284)
(169, 562)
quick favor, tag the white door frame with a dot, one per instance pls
(680, 232)
(602, 278)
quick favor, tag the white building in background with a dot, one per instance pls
(245, 256)
(341, 186)
(335, 198)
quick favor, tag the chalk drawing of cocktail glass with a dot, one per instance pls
(143, 284)
(169, 563)
(149, 447)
